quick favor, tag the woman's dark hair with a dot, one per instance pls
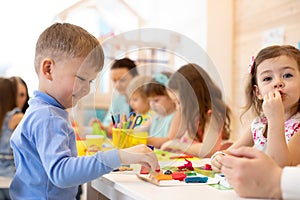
(20, 80)
(8, 97)
(125, 63)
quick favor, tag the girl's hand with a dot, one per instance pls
(173, 145)
(140, 154)
(215, 161)
(273, 105)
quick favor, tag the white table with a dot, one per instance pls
(127, 186)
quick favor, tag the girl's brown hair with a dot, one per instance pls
(157, 86)
(198, 94)
(267, 53)
(8, 97)
(137, 85)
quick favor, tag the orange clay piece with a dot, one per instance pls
(160, 177)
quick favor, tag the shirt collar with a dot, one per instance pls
(47, 99)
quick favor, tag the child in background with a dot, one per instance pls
(166, 121)
(137, 98)
(273, 92)
(205, 114)
(67, 59)
(10, 116)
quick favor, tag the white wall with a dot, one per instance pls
(23, 21)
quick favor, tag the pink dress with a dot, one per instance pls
(258, 126)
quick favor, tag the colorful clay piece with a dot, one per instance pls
(196, 179)
(207, 167)
(191, 173)
(160, 177)
(168, 172)
(188, 166)
(178, 176)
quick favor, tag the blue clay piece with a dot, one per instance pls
(196, 179)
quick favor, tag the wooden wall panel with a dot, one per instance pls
(251, 19)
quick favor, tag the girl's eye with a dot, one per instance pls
(267, 79)
(287, 75)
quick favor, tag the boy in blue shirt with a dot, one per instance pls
(67, 59)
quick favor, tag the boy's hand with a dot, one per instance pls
(140, 154)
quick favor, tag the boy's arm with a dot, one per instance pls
(55, 143)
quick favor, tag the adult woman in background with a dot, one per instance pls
(10, 116)
(22, 96)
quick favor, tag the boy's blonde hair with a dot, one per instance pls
(64, 40)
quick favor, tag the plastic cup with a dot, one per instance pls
(81, 147)
(94, 143)
(124, 138)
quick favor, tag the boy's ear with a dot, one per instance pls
(257, 93)
(47, 68)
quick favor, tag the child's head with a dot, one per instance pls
(274, 68)
(199, 98)
(157, 94)
(22, 96)
(122, 72)
(67, 59)
(136, 95)
(8, 97)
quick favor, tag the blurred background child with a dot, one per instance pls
(166, 121)
(10, 116)
(137, 98)
(23, 96)
(204, 112)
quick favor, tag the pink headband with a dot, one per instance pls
(251, 65)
